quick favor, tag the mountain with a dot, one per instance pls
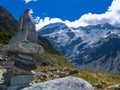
(80, 45)
(8, 25)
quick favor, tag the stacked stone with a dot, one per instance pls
(21, 54)
(18, 69)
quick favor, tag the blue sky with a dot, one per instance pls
(72, 12)
(64, 9)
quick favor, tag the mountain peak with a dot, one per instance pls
(53, 27)
(57, 24)
(99, 26)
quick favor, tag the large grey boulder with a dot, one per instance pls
(67, 83)
(17, 87)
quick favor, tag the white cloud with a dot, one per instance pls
(37, 19)
(112, 16)
(27, 1)
(31, 11)
(45, 21)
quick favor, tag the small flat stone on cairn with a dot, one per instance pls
(21, 52)
(21, 79)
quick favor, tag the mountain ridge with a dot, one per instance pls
(76, 43)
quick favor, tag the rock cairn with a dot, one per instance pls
(21, 53)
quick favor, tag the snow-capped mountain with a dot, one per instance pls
(78, 44)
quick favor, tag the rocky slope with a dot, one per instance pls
(77, 44)
(8, 25)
